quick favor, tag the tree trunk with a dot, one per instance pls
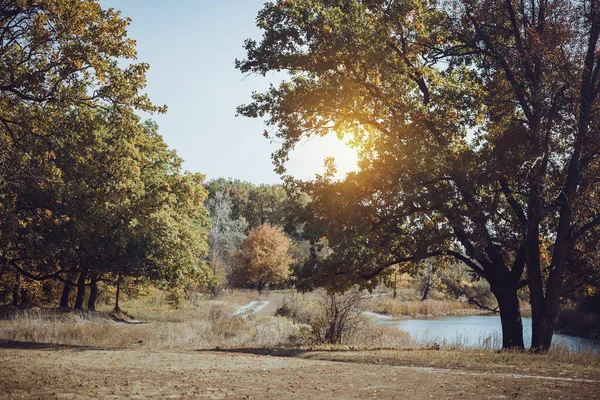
(16, 289)
(64, 298)
(545, 314)
(117, 308)
(80, 291)
(395, 295)
(426, 291)
(25, 300)
(510, 317)
(93, 295)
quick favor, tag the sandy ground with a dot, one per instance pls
(50, 371)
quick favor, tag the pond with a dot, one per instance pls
(475, 331)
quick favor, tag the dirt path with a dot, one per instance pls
(252, 307)
(40, 371)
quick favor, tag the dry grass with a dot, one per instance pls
(218, 329)
(554, 363)
(416, 308)
(212, 325)
(71, 329)
(372, 335)
(209, 325)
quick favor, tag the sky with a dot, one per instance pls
(191, 46)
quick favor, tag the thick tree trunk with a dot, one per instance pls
(93, 296)
(64, 298)
(80, 291)
(545, 313)
(542, 329)
(510, 317)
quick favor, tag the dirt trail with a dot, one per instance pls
(63, 372)
(252, 307)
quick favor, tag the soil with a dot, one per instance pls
(66, 372)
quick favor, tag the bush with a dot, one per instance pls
(340, 316)
(336, 319)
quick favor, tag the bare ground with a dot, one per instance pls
(68, 372)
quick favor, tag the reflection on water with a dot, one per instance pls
(475, 331)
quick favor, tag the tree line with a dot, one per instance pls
(89, 192)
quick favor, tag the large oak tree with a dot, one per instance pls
(476, 122)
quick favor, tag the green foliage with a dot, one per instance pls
(257, 204)
(474, 122)
(86, 189)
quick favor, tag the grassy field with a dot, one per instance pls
(205, 350)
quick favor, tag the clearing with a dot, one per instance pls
(65, 372)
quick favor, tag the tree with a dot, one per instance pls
(121, 209)
(64, 79)
(393, 278)
(257, 204)
(263, 258)
(340, 315)
(55, 56)
(225, 237)
(476, 126)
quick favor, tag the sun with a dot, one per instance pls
(307, 159)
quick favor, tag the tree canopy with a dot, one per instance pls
(88, 192)
(263, 258)
(257, 204)
(476, 125)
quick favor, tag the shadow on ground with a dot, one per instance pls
(260, 351)
(13, 344)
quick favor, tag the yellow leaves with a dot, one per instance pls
(263, 256)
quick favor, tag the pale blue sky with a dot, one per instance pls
(191, 46)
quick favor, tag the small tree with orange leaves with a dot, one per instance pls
(263, 258)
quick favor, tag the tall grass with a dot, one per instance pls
(208, 328)
(71, 329)
(416, 308)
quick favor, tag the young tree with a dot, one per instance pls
(475, 122)
(225, 237)
(263, 258)
(341, 315)
(393, 277)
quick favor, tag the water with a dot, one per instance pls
(476, 331)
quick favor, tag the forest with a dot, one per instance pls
(476, 124)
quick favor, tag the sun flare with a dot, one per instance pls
(308, 158)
